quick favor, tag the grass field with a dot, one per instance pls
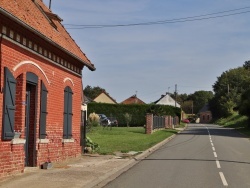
(123, 139)
(236, 121)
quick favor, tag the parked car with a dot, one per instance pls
(114, 121)
(185, 121)
(104, 120)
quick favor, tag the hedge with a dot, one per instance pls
(138, 111)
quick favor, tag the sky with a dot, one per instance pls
(151, 59)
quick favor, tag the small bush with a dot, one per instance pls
(128, 118)
(90, 144)
(93, 121)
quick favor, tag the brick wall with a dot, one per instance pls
(12, 154)
(167, 119)
(205, 117)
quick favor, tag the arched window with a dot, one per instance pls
(67, 115)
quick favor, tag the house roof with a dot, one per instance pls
(99, 98)
(36, 16)
(205, 108)
(87, 99)
(133, 100)
(167, 100)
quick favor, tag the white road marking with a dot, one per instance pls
(215, 155)
(218, 164)
(223, 179)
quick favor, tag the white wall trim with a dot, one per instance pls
(32, 63)
(65, 79)
(71, 140)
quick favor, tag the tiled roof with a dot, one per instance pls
(133, 100)
(205, 108)
(36, 15)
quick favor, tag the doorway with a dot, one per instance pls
(30, 121)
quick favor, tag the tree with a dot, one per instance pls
(247, 65)
(128, 118)
(200, 99)
(244, 108)
(228, 90)
(93, 92)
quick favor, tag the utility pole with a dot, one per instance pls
(192, 107)
(175, 94)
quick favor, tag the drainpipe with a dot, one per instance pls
(1, 39)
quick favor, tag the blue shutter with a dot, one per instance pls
(9, 105)
(70, 114)
(67, 115)
(43, 111)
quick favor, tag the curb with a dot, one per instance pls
(110, 176)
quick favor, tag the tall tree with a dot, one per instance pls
(199, 99)
(228, 90)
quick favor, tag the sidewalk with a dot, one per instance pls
(87, 171)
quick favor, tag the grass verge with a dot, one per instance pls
(236, 121)
(123, 139)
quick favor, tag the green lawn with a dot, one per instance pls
(123, 139)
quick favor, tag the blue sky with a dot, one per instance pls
(150, 60)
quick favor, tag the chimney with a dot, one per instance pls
(49, 4)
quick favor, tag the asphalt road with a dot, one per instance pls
(201, 156)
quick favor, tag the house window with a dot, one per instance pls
(67, 115)
(208, 117)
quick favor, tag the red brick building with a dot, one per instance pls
(40, 87)
(205, 114)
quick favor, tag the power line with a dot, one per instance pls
(169, 21)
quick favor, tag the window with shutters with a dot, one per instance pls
(67, 115)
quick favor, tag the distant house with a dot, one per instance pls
(41, 87)
(104, 97)
(167, 100)
(205, 114)
(87, 99)
(133, 100)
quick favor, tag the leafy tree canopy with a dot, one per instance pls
(228, 90)
(93, 92)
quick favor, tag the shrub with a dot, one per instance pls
(93, 121)
(128, 118)
(90, 144)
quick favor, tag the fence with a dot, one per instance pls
(160, 122)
